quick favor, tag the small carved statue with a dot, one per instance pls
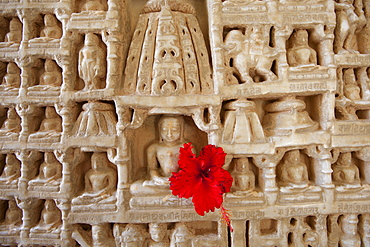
(158, 234)
(51, 126)
(50, 171)
(15, 32)
(351, 89)
(12, 125)
(182, 236)
(301, 54)
(348, 23)
(100, 182)
(244, 178)
(133, 236)
(293, 171)
(13, 219)
(92, 5)
(163, 155)
(51, 78)
(350, 235)
(51, 32)
(101, 236)
(345, 173)
(11, 171)
(51, 219)
(12, 78)
(91, 63)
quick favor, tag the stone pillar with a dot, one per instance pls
(28, 168)
(31, 209)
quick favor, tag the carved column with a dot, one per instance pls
(268, 165)
(68, 111)
(212, 127)
(113, 42)
(66, 235)
(30, 208)
(364, 229)
(325, 37)
(364, 156)
(27, 76)
(28, 168)
(26, 112)
(239, 234)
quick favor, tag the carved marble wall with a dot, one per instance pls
(97, 96)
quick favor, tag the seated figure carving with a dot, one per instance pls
(301, 54)
(14, 36)
(11, 171)
(12, 78)
(351, 89)
(346, 174)
(350, 235)
(51, 79)
(91, 62)
(51, 32)
(51, 219)
(100, 182)
(244, 178)
(92, 5)
(50, 172)
(162, 157)
(182, 236)
(50, 127)
(12, 125)
(294, 173)
(13, 219)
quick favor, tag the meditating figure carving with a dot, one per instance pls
(50, 172)
(12, 125)
(51, 125)
(348, 23)
(91, 63)
(15, 32)
(350, 235)
(13, 219)
(301, 54)
(345, 173)
(181, 236)
(12, 78)
(51, 219)
(162, 156)
(133, 236)
(351, 89)
(51, 79)
(294, 173)
(244, 178)
(11, 171)
(158, 234)
(92, 5)
(100, 182)
(51, 32)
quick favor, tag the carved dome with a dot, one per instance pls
(168, 55)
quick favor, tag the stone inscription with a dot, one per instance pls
(308, 86)
(298, 211)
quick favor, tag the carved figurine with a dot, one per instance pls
(182, 236)
(348, 23)
(301, 54)
(51, 79)
(101, 236)
(12, 125)
(15, 32)
(350, 235)
(345, 173)
(51, 125)
(158, 234)
(13, 219)
(163, 156)
(12, 78)
(244, 178)
(50, 171)
(100, 182)
(11, 171)
(351, 89)
(91, 62)
(92, 5)
(51, 219)
(294, 173)
(51, 32)
(133, 236)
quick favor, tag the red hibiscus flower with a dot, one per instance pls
(202, 178)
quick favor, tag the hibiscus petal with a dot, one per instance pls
(187, 158)
(182, 184)
(212, 156)
(222, 177)
(207, 196)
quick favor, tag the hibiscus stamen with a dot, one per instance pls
(225, 217)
